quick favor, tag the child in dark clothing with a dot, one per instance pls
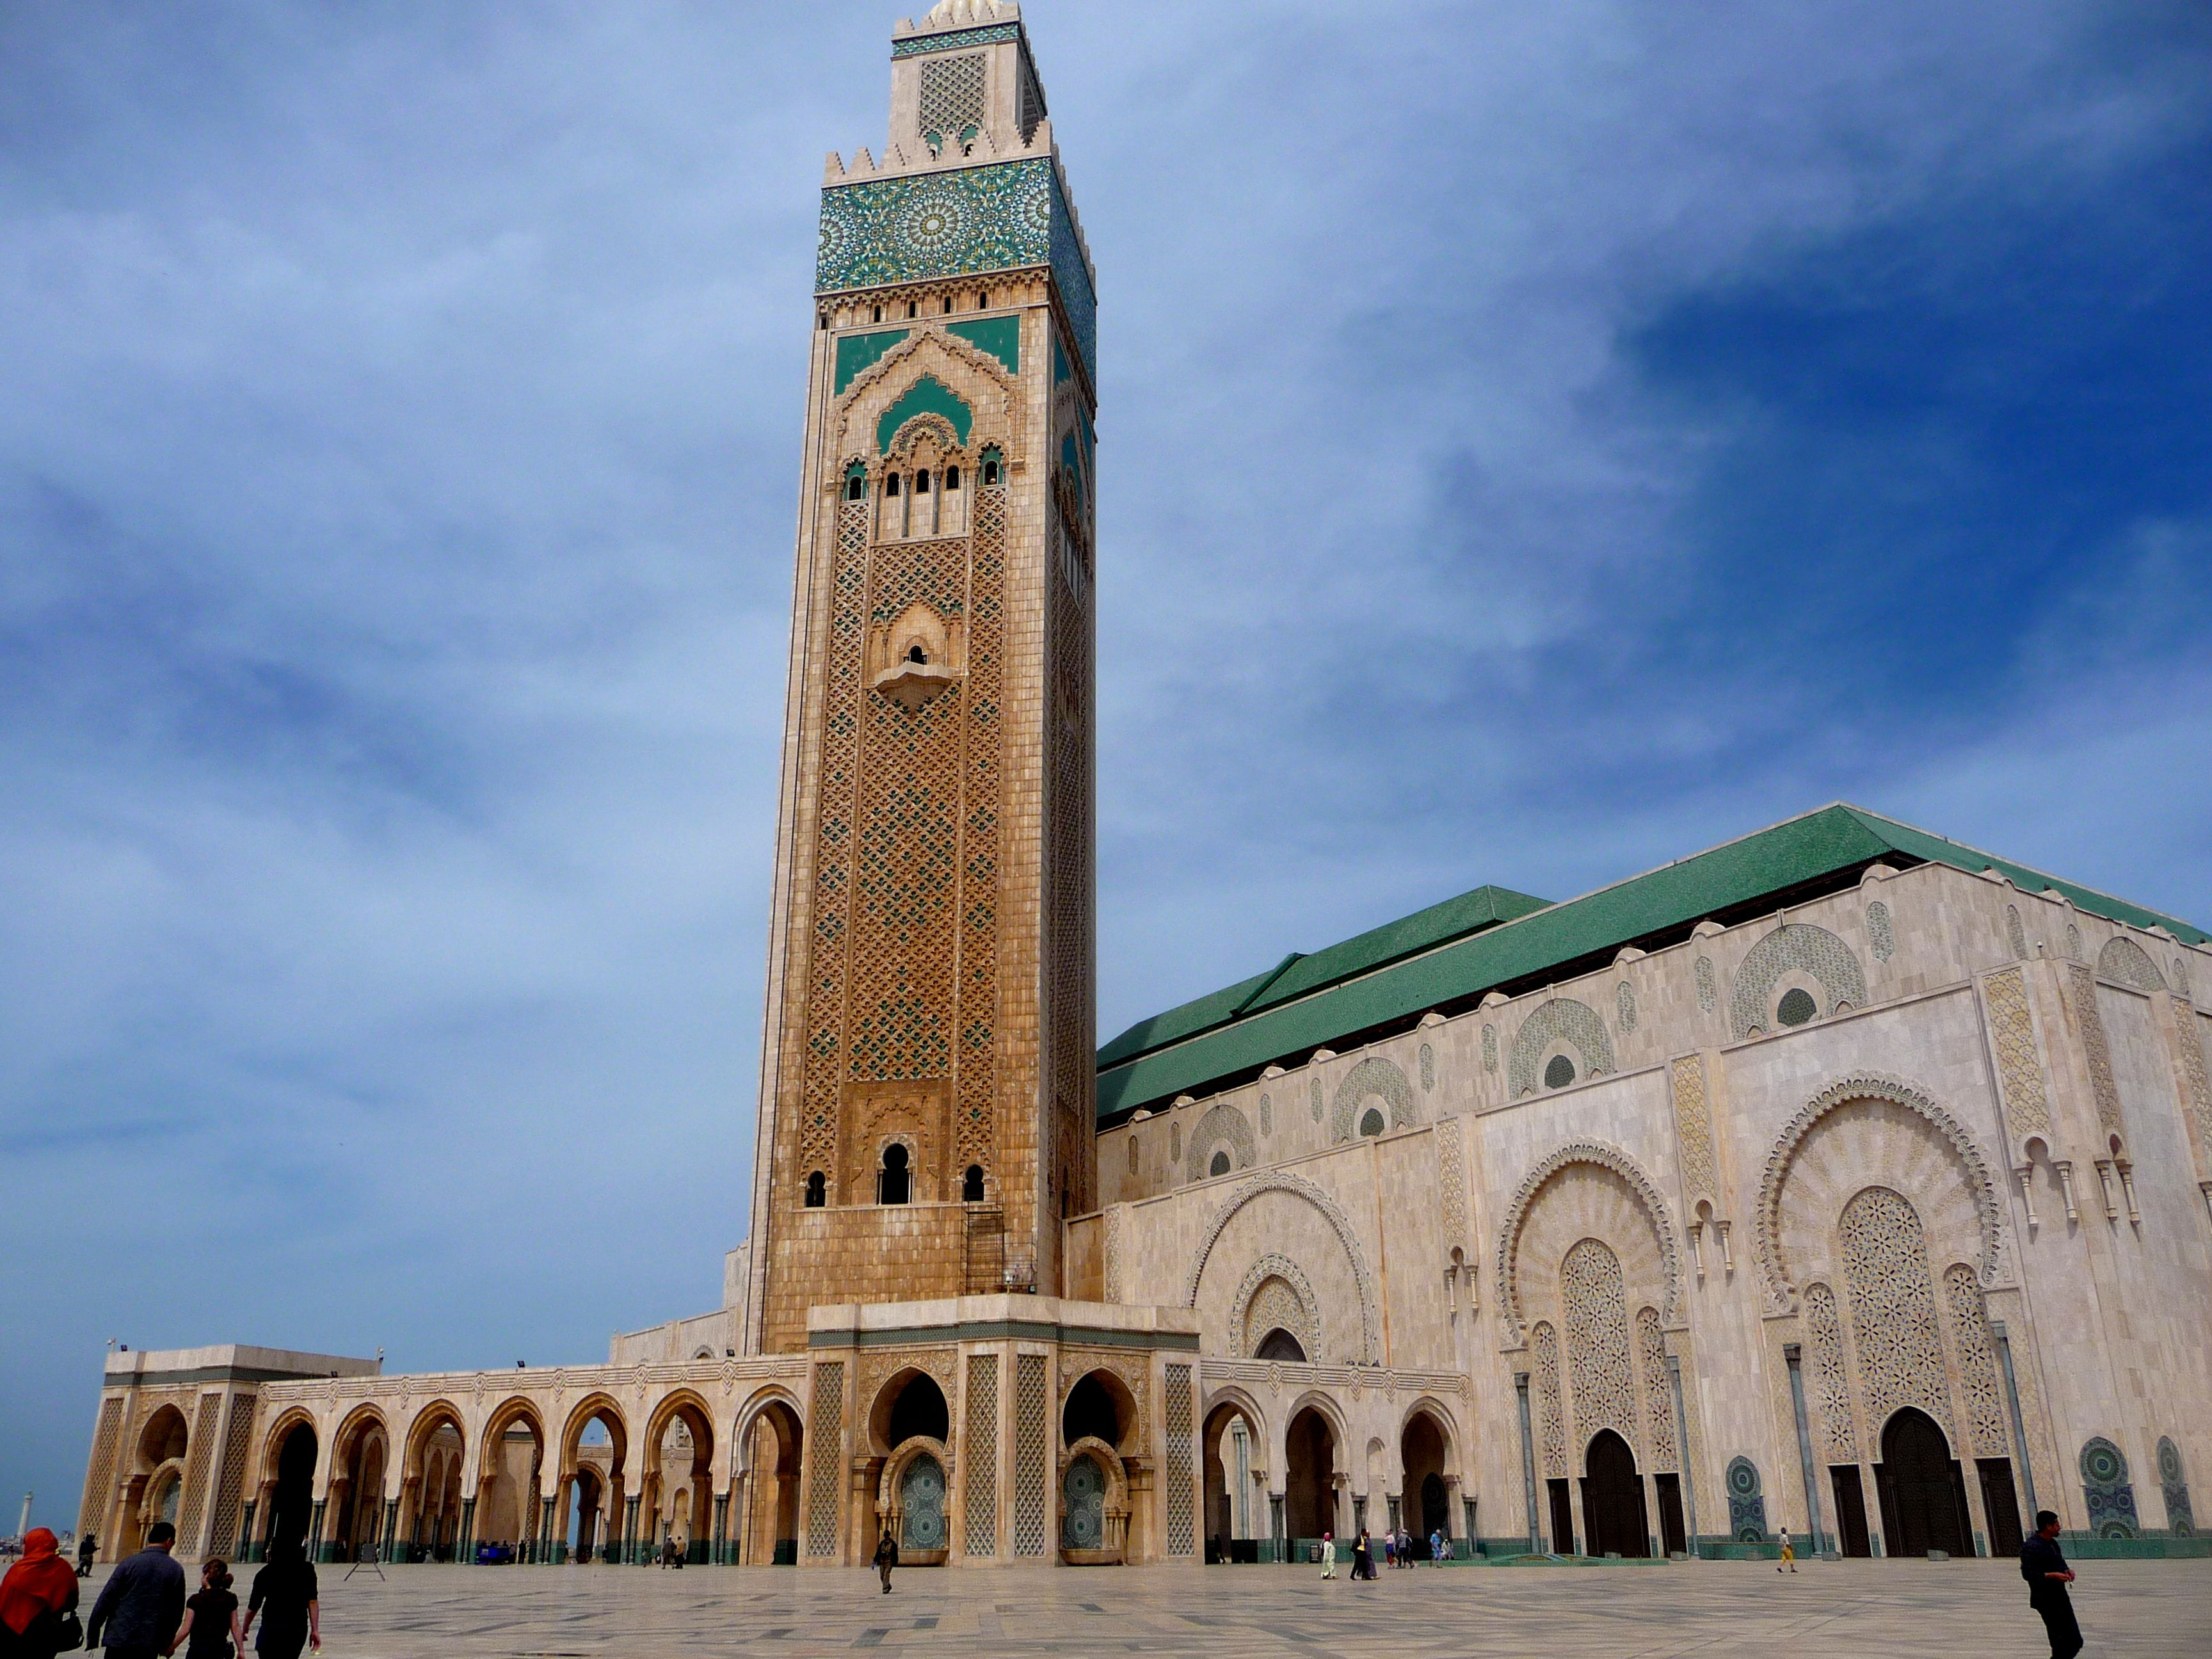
(210, 1617)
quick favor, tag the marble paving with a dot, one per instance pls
(1712, 1609)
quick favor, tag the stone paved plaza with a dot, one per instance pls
(1712, 1609)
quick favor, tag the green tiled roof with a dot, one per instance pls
(1462, 949)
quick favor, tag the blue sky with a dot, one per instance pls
(1536, 441)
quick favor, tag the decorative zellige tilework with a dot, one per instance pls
(1794, 947)
(2124, 960)
(1029, 1454)
(2027, 1109)
(1978, 1361)
(1001, 216)
(1893, 1319)
(953, 94)
(980, 1455)
(1597, 1340)
(1831, 1383)
(958, 40)
(826, 1458)
(1881, 931)
(1177, 1421)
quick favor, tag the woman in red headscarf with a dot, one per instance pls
(37, 1591)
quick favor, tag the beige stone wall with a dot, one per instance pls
(1715, 1153)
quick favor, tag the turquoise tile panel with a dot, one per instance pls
(927, 396)
(857, 352)
(999, 336)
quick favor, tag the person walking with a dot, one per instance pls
(38, 1591)
(1788, 1554)
(886, 1559)
(1362, 1555)
(140, 1605)
(86, 1548)
(2047, 1574)
(1328, 1554)
(1437, 1547)
(210, 1617)
(1390, 1549)
(284, 1598)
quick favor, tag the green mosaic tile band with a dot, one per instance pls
(997, 217)
(953, 42)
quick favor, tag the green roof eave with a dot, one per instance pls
(1932, 849)
(1821, 843)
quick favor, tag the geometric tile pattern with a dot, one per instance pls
(2111, 1494)
(1596, 1320)
(824, 1465)
(1552, 1428)
(951, 96)
(1658, 1395)
(1182, 1527)
(1003, 216)
(2096, 1048)
(2126, 961)
(2180, 1519)
(1892, 1307)
(982, 1454)
(100, 1475)
(1029, 1454)
(1977, 1362)
(1794, 946)
(230, 1483)
(1562, 1019)
(2027, 1109)
(1880, 932)
(1830, 1378)
(1694, 1130)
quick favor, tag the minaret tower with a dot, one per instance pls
(926, 1106)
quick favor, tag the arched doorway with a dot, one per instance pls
(156, 1489)
(769, 1527)
(589, 1496)
(1922, 1492)
(1309, 1476)
(509, 1466)
(1236, 1517)
(1427, 1505)
(1613, 1516)
(922, 1526)
(678, 1476)
(910, 1427)
(356, 1502)
(1082, 1493)
(291, 1505)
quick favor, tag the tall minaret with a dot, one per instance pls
(927, 1105)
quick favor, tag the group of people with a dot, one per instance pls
(143, 1611)
(1397, 1551)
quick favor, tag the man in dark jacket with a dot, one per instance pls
(140, 1606)
(886, 1559)
(2048, 1576)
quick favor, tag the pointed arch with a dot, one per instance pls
(1297, 1187)
(1618, 1163)
(1766, 1241)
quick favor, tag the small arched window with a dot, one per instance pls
(915, 654)
(952, 478)
(1371, 1123)
(895, 1182)
(856, 483)
(971, 1185)
(1219, 1166)
(890, 484)
(1559, 1072)
(878, 317)
(1797, 1006)
(914, 307)
(990, 472)
(982, 302)
(817, 1190)
(823, 322)
(921, 481)
(948, 305)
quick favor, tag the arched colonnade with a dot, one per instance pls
(541, 1470)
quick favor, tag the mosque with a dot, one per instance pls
(1840, 1178)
